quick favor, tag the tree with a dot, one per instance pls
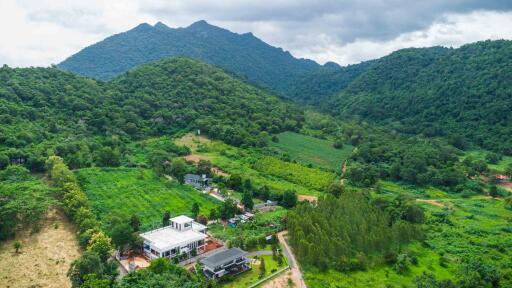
(247, 200)
(135, 223)
(88, 263)
(262, 267)
(336, 188)
(289, 199)
(179, 169)
(4, 161)
(235, 182)
(202, 219)
(204, 167)
(17, 246)
(159, 161)
(108, 157)
(508, 171)
(92, 281)
(166, 219)
(493, 191)
(492, 158)
(508, 202)
(121, 235)
(101, 244)
(195, 210)
(213, 214)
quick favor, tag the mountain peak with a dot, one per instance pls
(199, 24)
(161, 25)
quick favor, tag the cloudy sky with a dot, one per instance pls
(42, 32)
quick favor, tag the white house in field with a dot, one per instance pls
(182, 236)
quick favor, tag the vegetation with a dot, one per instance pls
(24, 200)
(90, 123)
(244, 55)
(252, 234)
(123, 192)
(310, 150)
(342, 233)
(460, 94)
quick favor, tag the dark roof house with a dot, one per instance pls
(231, 261)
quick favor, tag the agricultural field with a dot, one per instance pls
(252, 276)
(126, 191)
(456, 228)
(44, 257)
(310, 150)
(262, 170)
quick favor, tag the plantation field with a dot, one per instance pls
(244, 162)
(127, 191)
(311, 150)
(461, 227)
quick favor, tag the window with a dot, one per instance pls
(147, 247)
(167, 253)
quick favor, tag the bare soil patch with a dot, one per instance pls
(44, 258)
(309, 198)
(432, 202)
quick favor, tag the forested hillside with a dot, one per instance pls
(463, 94)
(46, 110)
(242, 54)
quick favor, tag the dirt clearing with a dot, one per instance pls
(432, 202)
(192, 141)
(309, 198)
(44, 257)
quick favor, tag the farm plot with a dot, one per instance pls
(311, 150)
(126, 191)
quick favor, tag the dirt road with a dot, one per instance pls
(294, 274)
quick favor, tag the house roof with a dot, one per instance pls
(181, 219)
(167, 238)
(222, 257)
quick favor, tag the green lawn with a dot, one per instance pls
(252, 276)
(310, 150)
(127, 191)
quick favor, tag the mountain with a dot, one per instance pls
(47, 109)
(314, 87)
(463, 94)
(242, 54)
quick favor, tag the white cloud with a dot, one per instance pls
(452, 31)
(42, 32)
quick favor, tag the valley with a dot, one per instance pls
(198, 157)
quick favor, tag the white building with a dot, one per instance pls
(182, 236)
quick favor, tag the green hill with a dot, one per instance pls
(46, 110)
(242, 54)
(462, 94)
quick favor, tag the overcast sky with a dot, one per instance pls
(42, 32)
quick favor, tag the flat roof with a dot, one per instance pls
(182, 219)
(166, 238)
(222, 257)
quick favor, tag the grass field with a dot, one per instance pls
(310, 150)
(252, 276)
(475, 226)
(127, 191)
(44, 257)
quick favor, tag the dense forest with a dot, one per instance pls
(461, 94)
(344, 233)
(46, 111)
